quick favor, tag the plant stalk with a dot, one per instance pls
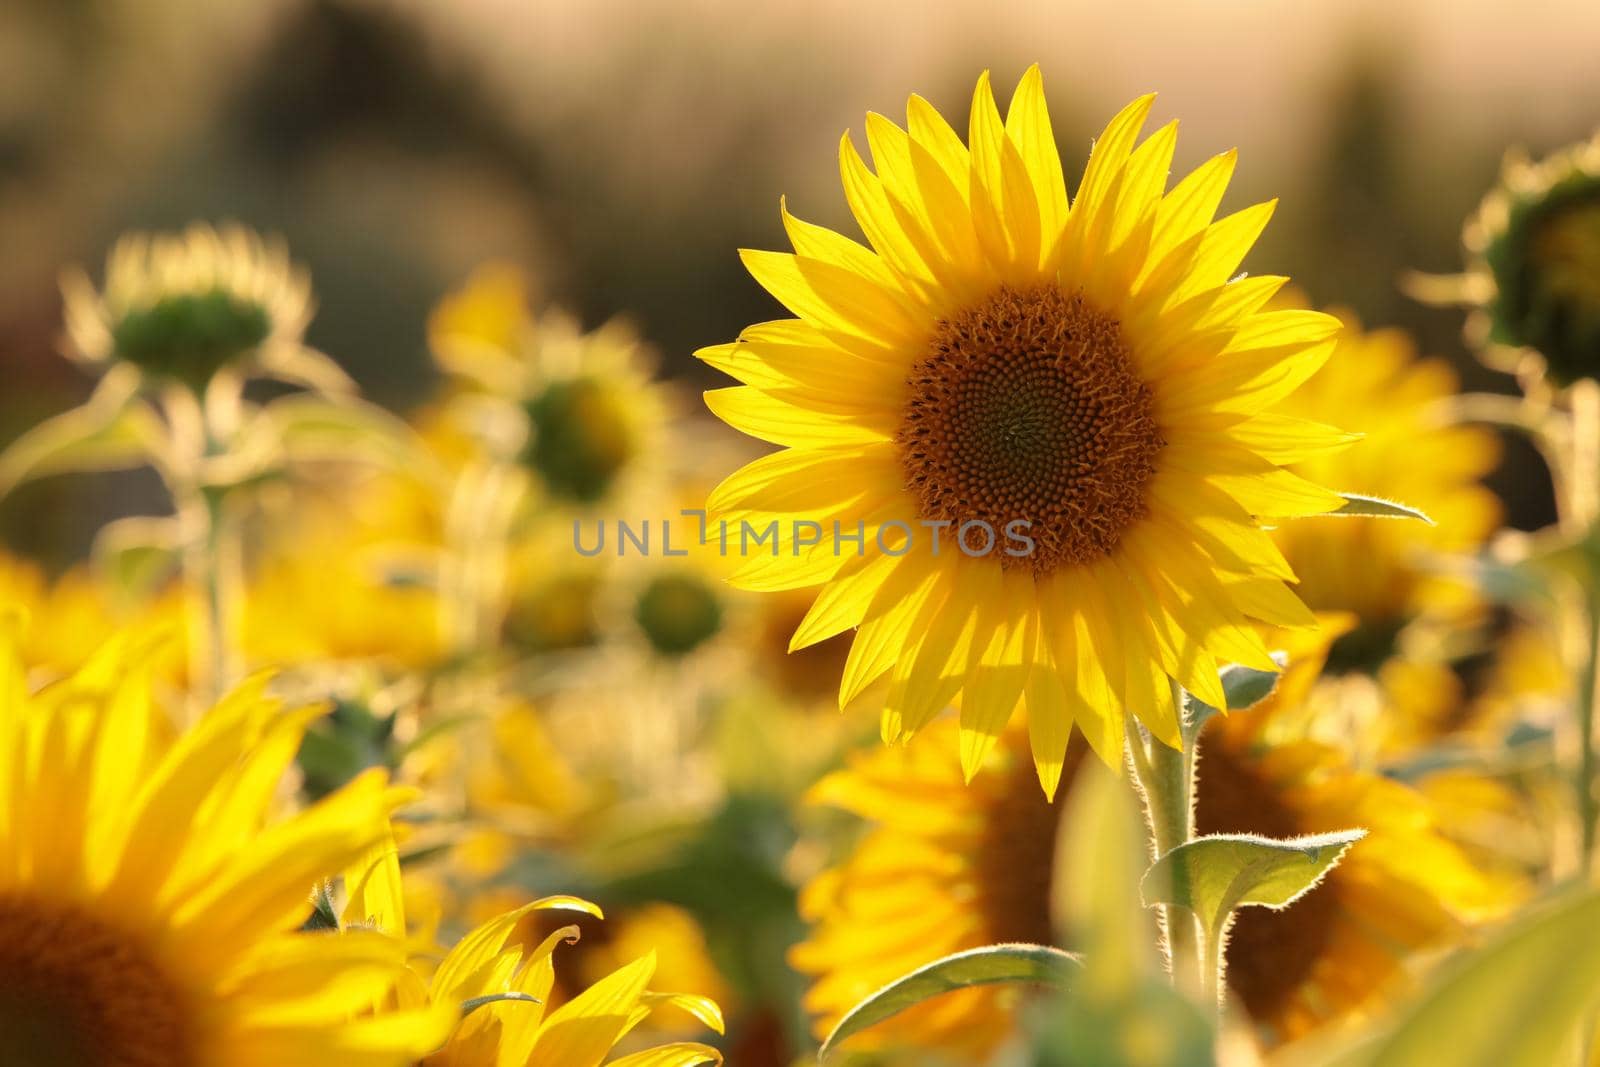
(1581, 515)
(1166, 779)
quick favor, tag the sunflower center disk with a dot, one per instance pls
(1027, 409)
(74, 992)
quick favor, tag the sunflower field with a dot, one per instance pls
(485, 581)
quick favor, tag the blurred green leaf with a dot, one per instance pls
(312, 428)
(1374, 507)
(1517, 1002)
(138, 553)
(990, 965)
(1152, 1026)
(1214, 876)
(92, 437)
(1100, 855)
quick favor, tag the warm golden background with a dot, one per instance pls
(623, 150)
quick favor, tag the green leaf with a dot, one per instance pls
(1100, 855)
(92, 437)
(1217, 875)
(1517, 1002)
(1245, 687)
(313, 429)
(1375, 507)
(136, 554)
(1153, 1025)
(990, 965)
(473, 1004)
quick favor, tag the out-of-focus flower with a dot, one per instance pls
(1534, 271)
(67, 620)
(182, 307)
(586, 413)
(945, 869)
(509, 986)
(1380, 569)
(342, 577)
(1099, 374)
(150, 902)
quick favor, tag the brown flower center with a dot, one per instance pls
(1027, 408)
(74, 991)
(1014, 865)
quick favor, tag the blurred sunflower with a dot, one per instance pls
(70, 618)
(1534, 264)
(944, 869)
(184, 307)
(489, 963)
(1379, 568)
(998, 358)
(150, 904)
(341, 578)
(587, 413)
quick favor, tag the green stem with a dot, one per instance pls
(1166, 778)
(1581, 515)
(1588, 804)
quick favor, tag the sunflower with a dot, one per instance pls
(149, 905)
(183, 307)
(943, 869)
(1534, 264)
(69, 618)
(1379, 568)
(586, 413)
(491, 963)
(1048, 425)
(344, 577)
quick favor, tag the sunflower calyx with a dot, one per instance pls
(1538, 239)
(189, 337)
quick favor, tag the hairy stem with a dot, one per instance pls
(1166, 778)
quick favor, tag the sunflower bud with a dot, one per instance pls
(678, 613)
(188, 337)
(1537, 237)
(181, 307)
(582, 438)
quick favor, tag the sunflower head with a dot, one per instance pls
(1034, 431)
(1384, 571)
(1536, 238)
(582, 437)
(678, 611)
(151, 902)
(589, 1024)
(555, 613)
(182, 307)
(588, 409)
(942, 869)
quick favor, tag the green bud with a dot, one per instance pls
(678, 613)
(1539, 239)
(582, 438)
(190, 336)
